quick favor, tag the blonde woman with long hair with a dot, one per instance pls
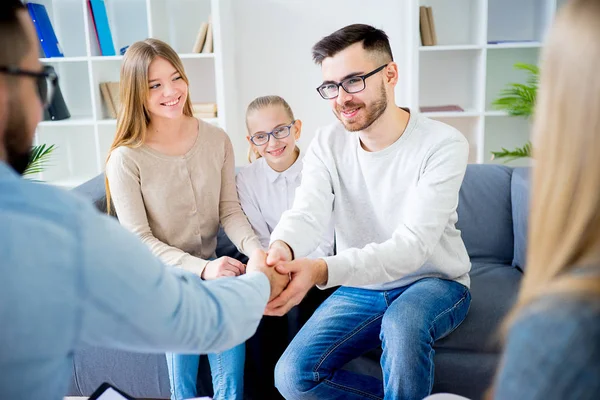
(553, 333)
(171, 178)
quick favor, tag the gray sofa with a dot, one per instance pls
(493, 209)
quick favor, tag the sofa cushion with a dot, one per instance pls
(494, 289)
(138, 374)
(485, 215)
(520, 189)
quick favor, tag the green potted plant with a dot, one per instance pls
(518, 100)
(40, 156)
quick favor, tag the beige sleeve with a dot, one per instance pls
(233, 219)
(124, 182)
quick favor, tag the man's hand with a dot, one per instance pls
(223, 266)
(279, 253)
(258, 262)
(305, 273)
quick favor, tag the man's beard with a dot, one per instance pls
(18, 152)
(373, 112)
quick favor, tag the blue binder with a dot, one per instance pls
(105, 39)
(44, 29)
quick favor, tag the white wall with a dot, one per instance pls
(273, 41)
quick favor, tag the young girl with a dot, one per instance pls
(267, 186)
(171, 178)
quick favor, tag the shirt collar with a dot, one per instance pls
(290, 174)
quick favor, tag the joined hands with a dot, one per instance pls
(290, 279)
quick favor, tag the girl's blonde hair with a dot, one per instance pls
(258, 104)
(133, 117)
(564, 231)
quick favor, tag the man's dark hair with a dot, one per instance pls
(373, 39)
(13, 39)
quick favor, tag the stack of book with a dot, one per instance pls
(204, 110)
(204, 39)
(427, 26)
(110, 96)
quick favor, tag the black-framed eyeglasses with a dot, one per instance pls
(281, 132)
(354, 84)
(46, 81)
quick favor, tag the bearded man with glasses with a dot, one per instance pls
(390, 180)
(71, 277)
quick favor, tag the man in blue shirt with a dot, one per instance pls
(71, 276)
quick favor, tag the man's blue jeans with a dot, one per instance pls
(227, 370)
(405, 321)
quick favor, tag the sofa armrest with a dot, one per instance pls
(95, 191)
(520, 188)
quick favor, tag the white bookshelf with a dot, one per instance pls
(465, 69)
(84, 139)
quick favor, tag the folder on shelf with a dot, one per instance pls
(57, 110)
(208, 44)
(110, 107)
(45, 31)
(100, 18)
(201, 38)
(426, 39)
(432, 26)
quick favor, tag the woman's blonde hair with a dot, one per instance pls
(258, 104)
(564, 231)
(133, 117)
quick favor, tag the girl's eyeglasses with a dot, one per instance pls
(280, 132)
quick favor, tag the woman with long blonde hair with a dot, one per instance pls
(553, 332)
(171, 178)
(552, 348)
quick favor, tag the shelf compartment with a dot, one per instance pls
(450, 78)
(177, 22)
(518, 20)
(456, 22)
(74, 83)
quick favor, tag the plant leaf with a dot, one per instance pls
(40, 157)
(518, 99)
(510, 155)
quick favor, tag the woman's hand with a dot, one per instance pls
(223, 266)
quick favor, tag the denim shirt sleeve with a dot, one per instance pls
(130, 300)
(552, 353)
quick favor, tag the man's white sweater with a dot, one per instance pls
(394, 210)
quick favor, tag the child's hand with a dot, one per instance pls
(223, 266)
